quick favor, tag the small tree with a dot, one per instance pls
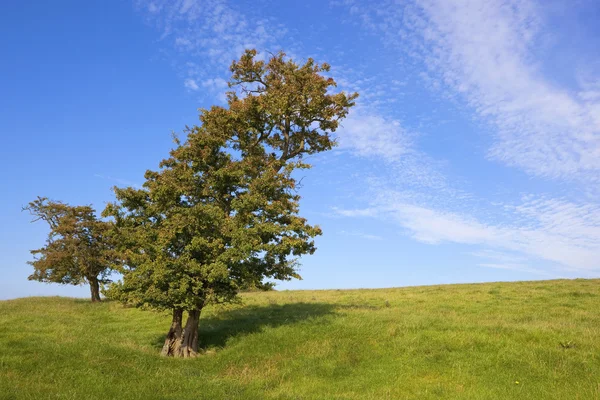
(222, 212)
(78, 248)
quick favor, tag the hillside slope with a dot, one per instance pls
(524, 340)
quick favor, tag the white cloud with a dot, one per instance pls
(216, 87)
(366, 133)
(361, 235)
(367, 212)
(519, 267)
(191, 84)
(484, 51)
(500, 257)
(556, 231)
(215, 83)
(208, 35)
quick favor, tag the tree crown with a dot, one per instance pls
(78, 247)
(222, 212)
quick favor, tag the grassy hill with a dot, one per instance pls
(524, 340)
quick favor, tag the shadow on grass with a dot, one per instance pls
(215, 330)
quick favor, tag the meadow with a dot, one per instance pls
(519, 340)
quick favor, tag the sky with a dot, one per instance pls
(472, 155)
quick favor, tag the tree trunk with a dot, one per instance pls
(182, 342)
(95, 290)
(172, 344)
(189, 343)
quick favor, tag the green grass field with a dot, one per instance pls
(524, 340)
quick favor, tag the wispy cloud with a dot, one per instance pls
(510, 261)
(365, 212)
(361, 235)
(367, 133)
(484, 52)
(521, 268)
(207, 36)
(191, 84)
(553, 230)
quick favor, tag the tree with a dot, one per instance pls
(221, 214)
(78, 248)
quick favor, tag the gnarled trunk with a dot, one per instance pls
(95, 289)
(182, 342)
(173, 340)
(189, 342)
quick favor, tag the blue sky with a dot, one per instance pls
(473, 153)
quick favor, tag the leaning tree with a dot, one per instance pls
(221, 213)
(78, 248)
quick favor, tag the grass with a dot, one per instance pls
(523, 340)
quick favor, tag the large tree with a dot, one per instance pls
(221, 213)
(78, 248)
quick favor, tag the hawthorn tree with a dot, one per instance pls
(221, 213)
(78, 248)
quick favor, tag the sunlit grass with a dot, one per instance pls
(524, 340)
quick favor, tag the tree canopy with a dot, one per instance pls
(221, 213)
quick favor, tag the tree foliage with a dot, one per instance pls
(78, 248)
(221, 213)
